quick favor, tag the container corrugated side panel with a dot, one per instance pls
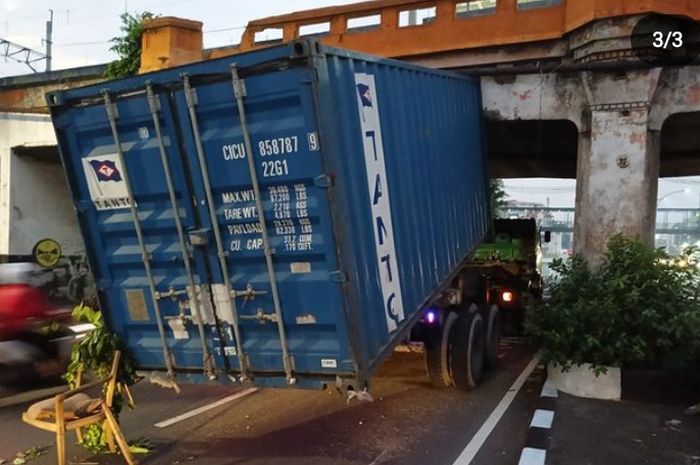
(433, 171)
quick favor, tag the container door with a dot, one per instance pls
(136, 196)
(264, 192)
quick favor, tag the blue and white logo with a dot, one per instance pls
(105, 179)
(365, 95)
(106, 170)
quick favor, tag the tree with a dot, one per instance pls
(498, 197)
(128, 46)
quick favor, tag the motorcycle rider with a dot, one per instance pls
(25, 348)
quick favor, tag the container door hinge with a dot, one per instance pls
(309, 76)
(54, 99)
(324, 181)
(112, 111)
(338, 276)
(239, 88)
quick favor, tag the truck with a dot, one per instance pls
(285, 217)
(510, 257)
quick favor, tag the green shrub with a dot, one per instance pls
(639, 308)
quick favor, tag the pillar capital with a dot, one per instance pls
(169, 41)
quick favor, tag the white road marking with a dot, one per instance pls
(469, 452)
(380, 457)
(30, 396)
(513, 339)
(205, 408)
(532, 456)
(548, 390)
(542, 419)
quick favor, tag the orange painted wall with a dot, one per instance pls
(508, 25)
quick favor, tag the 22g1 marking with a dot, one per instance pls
(275, 168)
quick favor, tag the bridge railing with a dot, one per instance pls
(671, 221)
(390, 27)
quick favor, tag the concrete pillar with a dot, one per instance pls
(618, 162)
(170, 41)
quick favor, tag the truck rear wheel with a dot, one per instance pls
(437, 351)
(466, 350)
(492, 316)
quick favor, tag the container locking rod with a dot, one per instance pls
(190, 98)
(239, 91)
(154, 107)
(112, 115)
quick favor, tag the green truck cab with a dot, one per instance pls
(509, 260)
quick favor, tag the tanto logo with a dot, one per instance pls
(106, 170)
(365, 95)
(105, 177)
(382, 225)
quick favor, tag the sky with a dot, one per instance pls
(82, 30)
(673, 192)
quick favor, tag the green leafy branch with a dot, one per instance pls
(93, 355)
(128, 46)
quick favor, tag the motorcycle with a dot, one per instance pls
(35, 336)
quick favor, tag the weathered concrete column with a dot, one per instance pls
(618, 162)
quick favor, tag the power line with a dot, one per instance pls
(101, 42)
(235, 28)
(78, 44)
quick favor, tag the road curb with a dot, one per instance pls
(537, 442)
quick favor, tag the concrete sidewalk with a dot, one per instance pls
(594, 432)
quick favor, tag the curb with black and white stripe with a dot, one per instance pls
(537, 443)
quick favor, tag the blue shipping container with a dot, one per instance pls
(369, 174)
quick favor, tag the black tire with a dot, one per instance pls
(437, 351)
(466, 351)
(492, 317)
(76, 288)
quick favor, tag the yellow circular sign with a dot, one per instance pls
(47, 253)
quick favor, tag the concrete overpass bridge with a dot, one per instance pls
(563, 93)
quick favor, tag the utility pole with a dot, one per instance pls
(49, 41)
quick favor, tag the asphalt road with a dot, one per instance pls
(409, 423)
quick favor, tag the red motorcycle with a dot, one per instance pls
(35, 336)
